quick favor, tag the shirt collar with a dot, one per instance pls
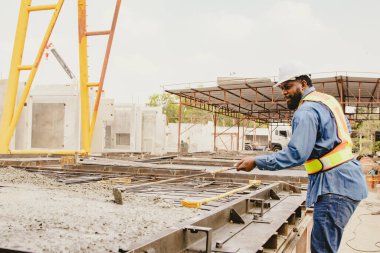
(308, 91)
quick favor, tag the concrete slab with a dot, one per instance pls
(362, 231)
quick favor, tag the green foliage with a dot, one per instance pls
(170, 106)
(366, 147)
(356, 146)
(364, 143)
(376, 146)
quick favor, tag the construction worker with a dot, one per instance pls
(321, 142)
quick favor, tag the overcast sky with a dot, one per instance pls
(161, 42)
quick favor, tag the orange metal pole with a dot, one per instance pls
(104, 69)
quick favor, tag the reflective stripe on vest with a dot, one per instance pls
(341, 153)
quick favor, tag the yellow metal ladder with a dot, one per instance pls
(11, 112)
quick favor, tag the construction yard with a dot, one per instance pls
(74, 208)
(56, 204)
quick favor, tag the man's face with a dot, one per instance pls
(292, 91)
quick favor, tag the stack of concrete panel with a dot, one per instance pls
(136, 128)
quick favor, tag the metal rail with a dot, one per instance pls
(266, 219)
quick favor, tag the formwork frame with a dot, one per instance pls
(11, 112)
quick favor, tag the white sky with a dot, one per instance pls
(175, 41)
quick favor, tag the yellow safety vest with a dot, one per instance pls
(341, 153)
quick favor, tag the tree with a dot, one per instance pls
(170, 106)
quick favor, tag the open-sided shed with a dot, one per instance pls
(256, 98)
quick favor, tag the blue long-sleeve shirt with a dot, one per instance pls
(314, 135)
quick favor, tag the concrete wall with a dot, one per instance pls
(106, 114)
(50, 118)
(136, 128)
(16, 138)
(200, 137)
(53, 118)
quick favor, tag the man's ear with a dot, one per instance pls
(304, 85)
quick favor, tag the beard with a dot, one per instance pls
(294, 100)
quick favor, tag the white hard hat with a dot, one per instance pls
(290, 72)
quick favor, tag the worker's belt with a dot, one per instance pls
(329, 161)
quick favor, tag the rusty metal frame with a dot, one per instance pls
(270, 108)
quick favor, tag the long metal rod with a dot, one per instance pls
(83, 81)
(178, 178)
(104, 69)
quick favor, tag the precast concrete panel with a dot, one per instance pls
(106, 112)
(56, 94)
(121, 128)
(48, 125)
(18, 138)
(148, 131)
(171, 141)
(159, 147)
(108, 137)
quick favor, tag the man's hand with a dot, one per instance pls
(246, 164)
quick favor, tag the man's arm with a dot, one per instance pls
(305, 130)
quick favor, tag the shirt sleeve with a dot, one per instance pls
(305, 130)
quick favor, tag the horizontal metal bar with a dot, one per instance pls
(25, 67)
(42, 7)
(92, 85)
(106, 32)
(48, 151)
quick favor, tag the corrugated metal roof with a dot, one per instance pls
(257, 99)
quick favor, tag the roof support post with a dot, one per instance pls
(238, 135)
(215, 118)
(243, 137)
(179, 124)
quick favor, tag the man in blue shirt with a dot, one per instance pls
(336, 192)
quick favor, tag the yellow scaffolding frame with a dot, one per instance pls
(11, 113)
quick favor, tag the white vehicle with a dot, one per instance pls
(279, 136)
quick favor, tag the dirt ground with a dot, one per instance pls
(362, 231)
(38, 214)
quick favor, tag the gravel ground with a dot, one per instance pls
(39, 214)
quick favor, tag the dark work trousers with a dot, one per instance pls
(331, 214)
